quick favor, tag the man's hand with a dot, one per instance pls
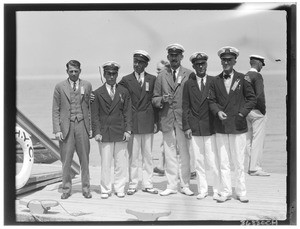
(222, 115)
(92, 97)
(91, 134)
(165, 98)
(155, 128)
(126, 136)
(188, 134)
(98, 137)
(59, 136)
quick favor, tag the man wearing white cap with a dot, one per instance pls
(168, 98)
(231, 98)
(197, 122)
(140, 85)
(112, 125)
(257, 118)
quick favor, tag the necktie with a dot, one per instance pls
(112, 93)
(202, 84)
(140, 80)
(174, 76)
(226, 76)
(74, 86)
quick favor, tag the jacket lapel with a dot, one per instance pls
(181, 74)
(206, 89)
(195, 90)
(169, 79)
(115, 100)
(104, 94)
(66, 89)
(135, 86)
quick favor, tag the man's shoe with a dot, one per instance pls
(131, 191)
(201, 196)
(259, 173)
(216, 196)
(167, 192)
(87, 195)
(104, 195)
(193, 175)
(187, 191)
(150, 190)
(160, 172)
(120, 194)
(222, 199)
(65, 196)
(243, 199)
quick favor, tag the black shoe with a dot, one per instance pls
(193, 175)
(87, 195)
(160, 172)
(131, 191)
(150, 190)
(65, 196)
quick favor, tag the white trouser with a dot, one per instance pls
(140, 144)
(231, 146)
(206, 159)
(171, 140)
(256, 138)
(192, 157)
(108, 152)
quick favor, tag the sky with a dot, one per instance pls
(47, 40)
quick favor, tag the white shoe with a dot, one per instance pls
(105, 195)
(216, 196)
(243, 199)
(120, 194)
(201, 196)
(187, 191)
(167, 192)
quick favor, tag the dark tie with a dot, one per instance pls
(140, 80)
(226, 76)
(202, 84)
(112, 93)
(74, 86)
(174, 76)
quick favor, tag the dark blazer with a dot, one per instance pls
(111, 118)
(169, 112)
(143, 115)
(241, 99)
(195, 108)
(61, 106)
(257, 83)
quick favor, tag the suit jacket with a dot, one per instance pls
(196, 114)
(257, 83)
(61, 106)
(143, 115)
(111, 118)
(241, 99)
(172, 110)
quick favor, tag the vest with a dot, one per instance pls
(75, 102)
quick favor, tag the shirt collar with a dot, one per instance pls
(72, 82)
(141, 75)
(108, 87)
(253, 70)
(231, 74)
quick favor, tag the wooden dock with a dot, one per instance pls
(267, 197)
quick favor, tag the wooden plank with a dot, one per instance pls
(34, 186)
(267, 199)
(42, 177)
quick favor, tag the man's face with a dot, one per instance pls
(175, 59)
(200, 67)
(111, 77)
(228, 61)
(73, 72)
(259, 66)
(139, 65)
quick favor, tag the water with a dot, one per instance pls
(34, 99)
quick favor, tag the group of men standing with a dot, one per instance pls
(192, 110)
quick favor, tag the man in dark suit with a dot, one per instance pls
(112, 126)
(257, 118)
(140, 85)
(71, 126)
(168, 98)
(231, 98)
(197, 122)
